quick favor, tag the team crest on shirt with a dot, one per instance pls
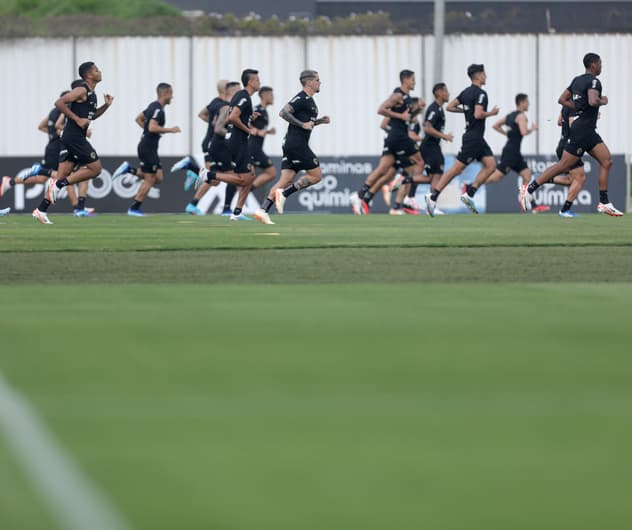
(93, 155)
(316, 161)
(580, 151)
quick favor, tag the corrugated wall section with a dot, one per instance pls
(357, 73)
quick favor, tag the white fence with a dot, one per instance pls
(357, 74)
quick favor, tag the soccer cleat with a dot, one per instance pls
(411, 211)
(569, 214)
(524, 199)
(431, 205)
(463, 189)
(51, 190)
(226, 212)
(541, 208)
(41, 217)
(135, 213)
(91, 211)
(396, 211)
(366, 209)
(469, 202)
(356, 205)
(81, 213)
(386, 194)
(121, 170)
(35, 169)
(184, 163)
(279, 200)
(190, 180)
(5, 186)
(609, 209)
(193, 209)
(262, 216)
(5, 211)
(240, 217)
(438, 212)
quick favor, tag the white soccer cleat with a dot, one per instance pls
(438, 212)
(469, 202)
(279, 200)
(5, 211)
(525, 199)
(609, 209)
(356, 203)
(396, 211)
(263, 217)
(431, 205)
(51, 190)
(41, 217)
(5, 186)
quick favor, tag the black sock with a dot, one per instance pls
(413, 190)
(47, 172)
(397, 206)
(61, 183)
(267, 205)
(567, 206)
(603, 196)
(533, 186)
(533, 204)
(231, 189)
(193, 165)
(81, 205)
(43, 205)
(364, 189)
(434, 195)
(136, 205)
(237, 211)
(471, 190)
(12, 181)
(289, 190)
(194, 202)
(132, 170)
(368, 196)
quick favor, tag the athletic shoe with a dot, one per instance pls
(184, 163)
(51, 190)
(226, 212)
(81, 213)
(541, 208)
(190, 180)
(193, 210)
(35, 169)
(41, 217)
(279, 200)
(356, 205)
(91, 211)
(569, 214)
(469, 202)
(394, 211)
(5, 186)
(609, 209)
(135, 213)
(262, 216)
(438, 212)
(240, 217)
(5, 211)
(121, 170)
(464, 189)
(524, 199)
(431, 205)
(411, 211)
(386, 194)
(366, 209)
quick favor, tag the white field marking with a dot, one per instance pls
(72, 498)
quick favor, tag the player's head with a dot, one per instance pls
(407, 79)
(310, 79)
(164, 91)
(266, 94)
(476, 72)
(231, 89)
(414, 106)
(250, 79)
(592, 62)
(522, 101)
(441, 93)
(89, 71)
(221, 87)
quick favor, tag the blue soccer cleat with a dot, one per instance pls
(184, 163)
(191, 179)
(121, 170)
(193, 210)
(240, 217)
(35, 169)
(569, 214)
(135, 213)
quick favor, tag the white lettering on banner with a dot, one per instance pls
(325, 195)
(550, 195)
(343, 167)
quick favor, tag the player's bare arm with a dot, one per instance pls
(220, 122)
(153, 127)
(566, 99)
(203, 115)
(101, 110)
(498, 127)
(525, 130)
(394, 100)
(43, 125)
(595, 100)
(235, 118)
(79, 95)
(429, 130)
(455, 106)
(481, 114)
(287, 113)
(324, 120)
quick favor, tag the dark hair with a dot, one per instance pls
(520, 98)
(231, 84)
(247, 74)
(76, 83)
(474, 69)
(162, 87)
(437, 87)
(307, 75)
(590, 59)
(264, 89)
(84, 68)
(405, 74)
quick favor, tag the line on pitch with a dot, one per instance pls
(75, 502)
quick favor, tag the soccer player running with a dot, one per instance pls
(80, 107)
(239, 118)
(473, 103)
(152, 121)
(260, 159)
(302, 115)
(515, 127)
(583, 96)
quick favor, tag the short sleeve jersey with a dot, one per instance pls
(83, 109)
(53, 116)
(213, 109)
(514, 136)
(304, 109)
(243, 102)
(154, 111)
(579, 87)
(399, 128)
(469, 98)
(435, 116)
(261, 122)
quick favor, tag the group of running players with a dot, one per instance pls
(233, 145)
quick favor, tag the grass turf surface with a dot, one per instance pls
(365, 406)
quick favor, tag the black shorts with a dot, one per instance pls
(258, 157)
(219, 156)
(206, 148)
(299, 158)
(240, 156)
(433, 159)
(560, 150)
(511, 160)
(77, 150)
(475, 149)
(51, 155)
(581, 141)
(149, 159)
(400, 148)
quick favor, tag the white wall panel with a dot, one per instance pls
(34, 72)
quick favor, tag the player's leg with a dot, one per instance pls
(601, 153)
(565, 164)
(148, 180)
(50, 192)
(287, 176)
(267, 175)
(431, 198)
(312, 176)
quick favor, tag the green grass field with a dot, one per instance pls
(327, 372)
